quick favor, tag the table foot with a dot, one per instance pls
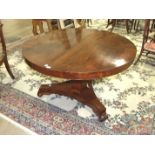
(79, 90)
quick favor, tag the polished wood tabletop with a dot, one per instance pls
(79, 54)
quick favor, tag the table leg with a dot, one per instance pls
(79, 90)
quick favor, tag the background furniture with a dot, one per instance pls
(114, 22)
(148, 44)
(53, 24)
(3, 52)
(152, 25)
(66, 23)
(84, 22)
(37, 25)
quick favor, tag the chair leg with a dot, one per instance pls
(139, 56)
(34, 30)
(108, 22)
(34, 27)
(37, 23)
(41, 29)
(89, 22)
(129, 22)
(132, 23)
(127, 25)
(111, 22)
(49, 24)
(152, 25)
(8, 67)
(73, 23)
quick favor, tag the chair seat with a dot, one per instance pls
(150, 46)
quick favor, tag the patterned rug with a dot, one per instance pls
(129, 98)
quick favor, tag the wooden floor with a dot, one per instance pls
(14, 30)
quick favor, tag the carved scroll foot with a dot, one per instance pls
(79, 90)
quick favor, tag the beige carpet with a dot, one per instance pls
(10, 127)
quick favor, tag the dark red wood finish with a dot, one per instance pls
(79, 90)
(3, 53)
(79, 54)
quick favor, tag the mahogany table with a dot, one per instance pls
(80, 55)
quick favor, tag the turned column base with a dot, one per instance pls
(79, 90)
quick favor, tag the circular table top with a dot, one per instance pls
(79, 54)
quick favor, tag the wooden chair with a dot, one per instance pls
(3, 53)
(128, 23)
(66, 23)
(72, 23)
(84, 22)
(152, 25)
(148, 44)
(37, 25)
